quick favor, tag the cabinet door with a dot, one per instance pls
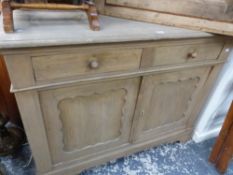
(87, 120)
(165, 102)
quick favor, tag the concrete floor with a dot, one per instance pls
(170, 159)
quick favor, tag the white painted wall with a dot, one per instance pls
(214, 112)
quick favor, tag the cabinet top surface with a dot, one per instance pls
(54, 28)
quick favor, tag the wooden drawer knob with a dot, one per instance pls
(192, 55)
(94, 64)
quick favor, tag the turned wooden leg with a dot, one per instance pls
(7, 15)
(93, 17)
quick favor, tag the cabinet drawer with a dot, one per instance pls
(181, 53)
(67, 65)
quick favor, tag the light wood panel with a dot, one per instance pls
(16, 72)
(90, 114)
(80, 120)
(66, 65)
(55, 66)
(209, 9)
(87, 119)
(183, 20)
(185, 52)
(29, 106)
(165, 102)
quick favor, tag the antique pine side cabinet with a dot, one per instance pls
(89, 97)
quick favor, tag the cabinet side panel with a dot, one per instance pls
(30, 110)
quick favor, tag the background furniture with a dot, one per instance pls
(222, 152)
(8, 104)
(8, 7)
(205, 15)
(90, 97)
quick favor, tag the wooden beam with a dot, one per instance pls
(48, 6)
(170, 19)
(206, 9)
(34, 1)
(203, 15)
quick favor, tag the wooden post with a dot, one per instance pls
(223, 148)
(93, 17)
(7, 15)
(226, 154)
(222, 136)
